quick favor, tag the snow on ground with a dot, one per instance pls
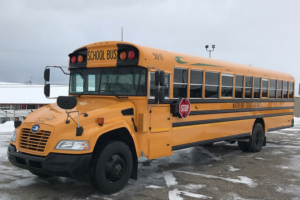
(159, 178)
(7, 127)
(296, 120)
(232, 169)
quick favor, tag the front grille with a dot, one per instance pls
(34, 141)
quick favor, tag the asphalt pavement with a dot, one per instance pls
(218, 172)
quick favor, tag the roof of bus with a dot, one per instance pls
(173, 59)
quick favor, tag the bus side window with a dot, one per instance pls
(180, 83)
(285, 89)
(273, 84)
(279, 93)
(196, 84)
(239, 86)
(291, 92)
(257, 85)
(227, 85)
(248, 87)
(153, 87)
(264, 92)
(212, 84)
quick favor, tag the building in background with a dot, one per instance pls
(18, 100)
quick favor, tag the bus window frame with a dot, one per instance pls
(280, 89)
(187, 83)
(233, 78)
(252, 87)
(217, 72)
(273, 89)
(265, 79)
(190, 84)
(243, 87)
(260, 87)
(284, 89)
(293, 89)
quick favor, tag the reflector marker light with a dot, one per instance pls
(100, 121)
(73, 59)
(131, 55)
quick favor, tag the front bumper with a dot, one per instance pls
(67, 165)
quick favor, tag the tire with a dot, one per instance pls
(40, 175)
(111, 167)
(257, 138)
(244, 146)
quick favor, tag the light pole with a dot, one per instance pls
(213, 47)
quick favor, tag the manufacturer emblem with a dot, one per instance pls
(35, 128)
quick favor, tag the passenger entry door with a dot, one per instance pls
(160, 132)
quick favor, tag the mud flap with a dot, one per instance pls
(265, 141)
(134, 172)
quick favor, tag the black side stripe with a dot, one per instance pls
(171, 101)
(182, 146)
(237, 110)
(209, 121)
(278, 128)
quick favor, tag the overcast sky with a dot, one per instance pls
(37, 33)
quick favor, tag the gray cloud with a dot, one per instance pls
(39, 33)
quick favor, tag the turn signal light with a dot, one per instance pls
(123, 55)
(73, 59)
(100, 121)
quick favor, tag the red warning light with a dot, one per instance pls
(131, 55)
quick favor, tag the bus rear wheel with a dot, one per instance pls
(111, 167)
(257, 138)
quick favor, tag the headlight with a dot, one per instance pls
(74, 145)
(13, 137)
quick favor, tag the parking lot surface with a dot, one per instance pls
(218, 172)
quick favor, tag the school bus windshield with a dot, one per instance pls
(125, 81)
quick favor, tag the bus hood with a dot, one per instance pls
(94, 107)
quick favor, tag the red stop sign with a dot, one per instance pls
(184, 108)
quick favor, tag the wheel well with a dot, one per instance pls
(123, 135)
(260, 121)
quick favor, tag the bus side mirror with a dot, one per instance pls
(47, 90)
(66, 102)
(160, 96)
(47, 75)
(160, 77)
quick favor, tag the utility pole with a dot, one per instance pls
(213, 47)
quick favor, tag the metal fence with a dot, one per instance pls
(13, 115)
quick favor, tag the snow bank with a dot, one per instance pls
(7, 127)
(297, 120)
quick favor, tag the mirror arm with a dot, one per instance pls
(68, 113)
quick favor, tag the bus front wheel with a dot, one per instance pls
(111, 167)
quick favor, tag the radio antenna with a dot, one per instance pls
(122, 34)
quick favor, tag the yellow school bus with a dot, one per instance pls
(127, 101)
